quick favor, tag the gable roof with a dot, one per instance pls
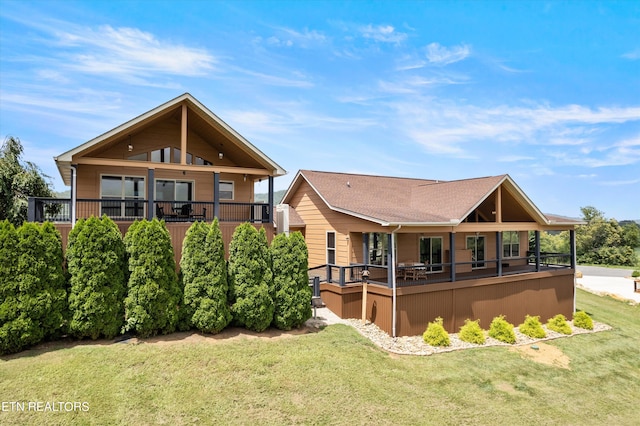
(64, 160)
(407, 201)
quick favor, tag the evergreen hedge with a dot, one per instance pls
(204, 274)
(34, 302)
(153, 292)
(250, 278)
(97, 264)
(292, 294)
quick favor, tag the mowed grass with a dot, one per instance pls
(334, 376)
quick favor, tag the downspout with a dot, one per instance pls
(393, 281)
(74, 197)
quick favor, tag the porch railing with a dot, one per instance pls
(59, 210)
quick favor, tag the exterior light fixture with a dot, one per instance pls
(220, 155)
(245, 177)
(130, 147)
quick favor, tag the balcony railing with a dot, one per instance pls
(125, 210)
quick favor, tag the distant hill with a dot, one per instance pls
(277, 197)
(62, 194)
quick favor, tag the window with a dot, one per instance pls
(510, 244)
(176, 156)
(118, 188)
(378, 248)
(431, 252)
(476, 245)
(162, 155)
(202, 162)
(174, 190)
(226, 190)
(138, 157)
(331, 247)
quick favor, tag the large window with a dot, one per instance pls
(226, 190)
(378, 248)
(431, 252)
(161, 155)
(510, 244)
(127, 188)
(174, 190)
(331, 247)
(476, 245)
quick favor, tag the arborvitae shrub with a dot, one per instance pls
(471, 332)
(153, 292)
(250, 278)
(532, 327)
(502, 330)
(292, 294)
(435, 334)
(97, 266)
(559, 323)
(204, 274)
(34, 302)
(581, 319)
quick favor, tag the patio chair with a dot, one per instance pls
(159, 211)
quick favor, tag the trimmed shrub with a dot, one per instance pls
(97, 265)
(581, 319)
(435, 334)
(471, 332)
(635, 274)
(250, 278)
(204, 274)
(292, 294)
(532, 327)
(34, 302)
(502, 330)
(11, 336)
(153, 292)
(559, 323)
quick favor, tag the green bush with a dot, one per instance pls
(250, 278)
(97, 267)
(502, 330)
(204, 274)
(292, 294)
(153, 292)
(559, 323)
(635, 274)
(532, 327)
(582, 320)
(471, 332)
(34, 304)
(435, 334)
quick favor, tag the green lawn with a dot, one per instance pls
(334, 376)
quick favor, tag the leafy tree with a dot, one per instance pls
(153, 292)
(34, 301)
(97, 266)
(603, 241)
(292, 295)
(18, 182)
(250, 278)
(204, 270)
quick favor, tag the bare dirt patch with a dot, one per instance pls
(545, 354)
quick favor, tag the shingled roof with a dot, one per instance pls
(407, 201)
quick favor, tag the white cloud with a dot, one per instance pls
(382, 33)
(442, 55)
(632, 55)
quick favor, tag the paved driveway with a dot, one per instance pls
(597, 271)
(615, 282)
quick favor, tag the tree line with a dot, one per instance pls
(114, 285)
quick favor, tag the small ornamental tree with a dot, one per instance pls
(532, 327)
(153, 292)
(97, 266)
(292, 294)
(204, 273)
(34, 302)
(559, 324)
(581, 319)
(250, 278)
(471, 332)
(435, 334)
(502, 330)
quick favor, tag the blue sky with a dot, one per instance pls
(548, 92)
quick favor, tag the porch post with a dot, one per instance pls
(499, 252)
(151, 210)
(74, 194)
(452, 255)
(270, 212)
(537, 243)
(365, 248)
(390, 260)
(572, 244)
(216, 195)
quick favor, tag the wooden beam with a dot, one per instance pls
(171, 166)
(499, 204)
(183, 135)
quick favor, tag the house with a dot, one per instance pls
(178, 162)
(456, 250)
